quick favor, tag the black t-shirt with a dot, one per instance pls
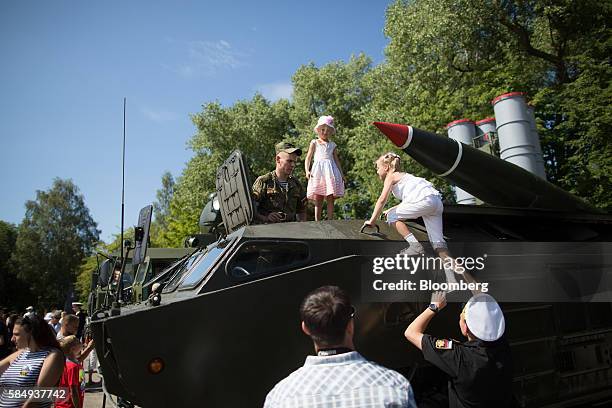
(480, 372)
(82, 320)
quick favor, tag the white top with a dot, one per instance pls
(341, 381)
(412, 189)
(323, 150)
(325, 176)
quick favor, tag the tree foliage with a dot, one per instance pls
(8, 237)
(90, 264)
(13, 291)
(54, 237)
(161, 206)
(335, 89)
(254, 126)
(445, 60)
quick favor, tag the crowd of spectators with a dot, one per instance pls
(53, 348)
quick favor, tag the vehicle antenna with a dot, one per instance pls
(116, 305)
(123, 183)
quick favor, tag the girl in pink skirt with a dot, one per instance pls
(325, 179)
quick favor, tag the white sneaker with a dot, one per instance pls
(414, 249)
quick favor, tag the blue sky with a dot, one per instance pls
(67, 65)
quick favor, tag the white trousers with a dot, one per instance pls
(431, 209)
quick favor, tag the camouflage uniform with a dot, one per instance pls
(270, 197)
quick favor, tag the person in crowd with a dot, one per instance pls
(479, 370)
(55, 324)
(70, 325)
(29, 311)
(325, 179)
(37, 362)
(4, 339)
(338, 375)
(82, 315)
(63, 313)
(10, 324)
(278, 196)
(47, 318)
(72, 378)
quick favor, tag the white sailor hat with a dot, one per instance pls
(48, 316)
(484, 317)
(77, 304)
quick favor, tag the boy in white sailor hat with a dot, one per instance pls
(479, 370)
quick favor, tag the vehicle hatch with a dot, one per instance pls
(234, 192)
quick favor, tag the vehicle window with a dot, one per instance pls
(203, 266)
(159, 266)
(258, 258)
(127, 279)
(180, 272)
(141, 271)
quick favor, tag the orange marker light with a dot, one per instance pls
(156, 366)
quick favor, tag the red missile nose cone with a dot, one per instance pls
(398, 134)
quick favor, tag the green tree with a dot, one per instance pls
(335, 89)
(8, 237)
(161, 206)
(90, 263)
(84, 275)
(447, 59)
(14, 293)
(55, 236)
(253, 126)
(161, 210)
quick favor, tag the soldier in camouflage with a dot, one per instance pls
(278, 196)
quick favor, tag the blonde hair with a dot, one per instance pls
(392, 160)
(70, 319)
(68, 342)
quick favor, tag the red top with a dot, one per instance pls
(483, 121)
(456, 122)
(71, 377)
(506, 96)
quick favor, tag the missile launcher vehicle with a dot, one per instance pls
(224, 326)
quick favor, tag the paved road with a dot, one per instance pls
(94, 394)
(93, 399)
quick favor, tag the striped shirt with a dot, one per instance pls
(345, 380)
(23, 372)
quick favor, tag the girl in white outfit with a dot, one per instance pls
(419, 199)
(325, 179)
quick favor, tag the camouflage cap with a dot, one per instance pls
(287, 147)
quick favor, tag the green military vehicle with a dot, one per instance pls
(155, 262)
(142, 265)
(224, 326)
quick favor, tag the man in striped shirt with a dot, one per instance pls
(338, 376)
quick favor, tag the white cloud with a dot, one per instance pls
(158, 115)
(208, 57)
(276, 90)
